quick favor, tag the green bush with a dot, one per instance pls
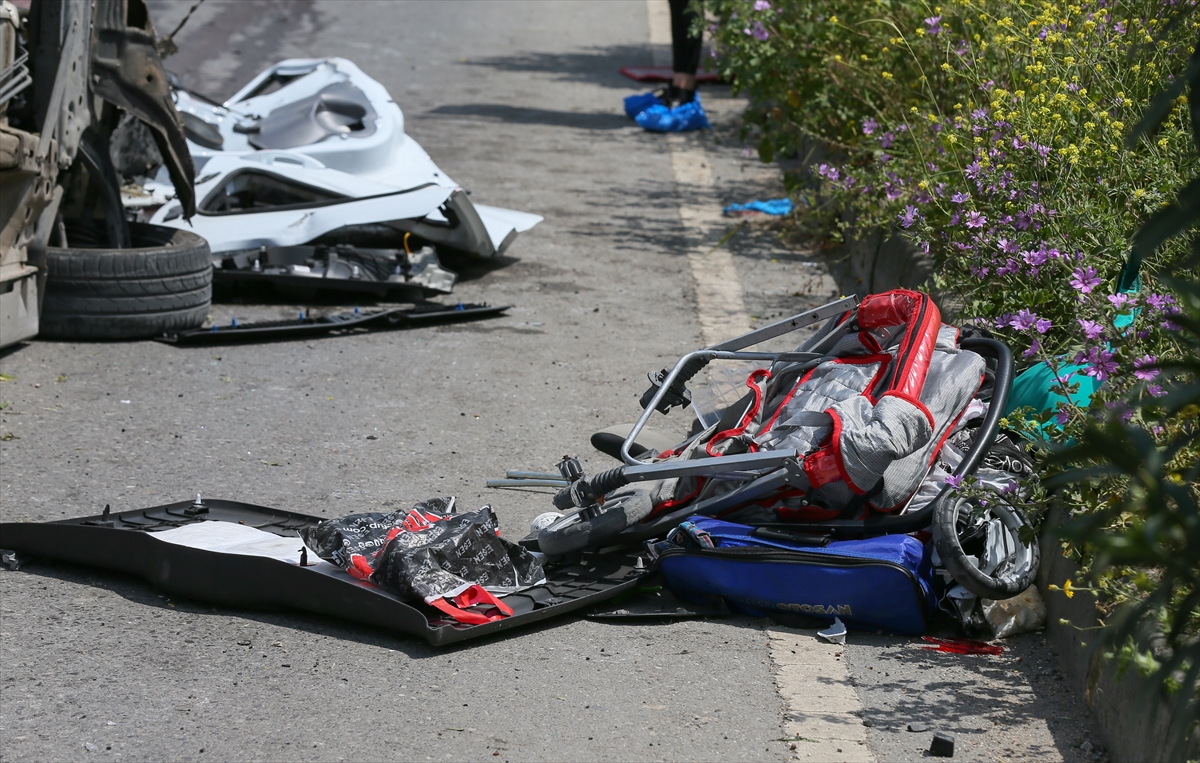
(994, 135)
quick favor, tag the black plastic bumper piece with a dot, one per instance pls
(396, 318)
(125, 542)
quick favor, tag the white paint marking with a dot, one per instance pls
(822, 705)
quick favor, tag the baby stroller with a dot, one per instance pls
(863, 431)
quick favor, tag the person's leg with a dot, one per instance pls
(685, 50)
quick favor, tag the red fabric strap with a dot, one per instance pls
(473, 596)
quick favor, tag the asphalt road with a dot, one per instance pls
(520, 103)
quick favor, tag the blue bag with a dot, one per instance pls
(878, 583)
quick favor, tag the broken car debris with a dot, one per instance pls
(306, 179)
(207, 550)
(358, 320)
(794, 537)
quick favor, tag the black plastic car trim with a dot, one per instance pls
(395, 318)
(120, 541)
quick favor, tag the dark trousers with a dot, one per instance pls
(685, 49)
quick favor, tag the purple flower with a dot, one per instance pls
(826, 171)
(1091, 329)
(934, 25)
(1042, 325)
(1024, 320)
(907, 217)
(1033, 349)
(762, 5)
(1100, 364)
(1063, 415)
(1155, 390)
(1144, 367)
(1119, 301)
(960, 198)
(1006, 246)
(976, 220)
(869, 125)
(1010, 488)
(1160, 301)
(972, 170)
(887, 139)
(1034, 258)
(1009, 267)
(757, 31)
(954, 481)
(1085, 279)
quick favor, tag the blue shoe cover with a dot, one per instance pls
(688, 116)
(636, 104)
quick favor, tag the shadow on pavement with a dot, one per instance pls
(498, 112)
(597, 66)
(135, 590)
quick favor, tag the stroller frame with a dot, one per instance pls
(766, 472)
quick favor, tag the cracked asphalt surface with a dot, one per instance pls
(520, 103)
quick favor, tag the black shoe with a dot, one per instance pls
(673, 96)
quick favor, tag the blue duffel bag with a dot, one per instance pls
(878, 583)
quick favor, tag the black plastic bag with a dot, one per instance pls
(454, 562)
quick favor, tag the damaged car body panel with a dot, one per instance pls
(340, 133)
(79, 63)
(239, 555)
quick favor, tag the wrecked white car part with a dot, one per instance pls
(352, 134)
(266, 215)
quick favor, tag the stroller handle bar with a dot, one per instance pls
(875, 524)
(783, 467)
(692, 363)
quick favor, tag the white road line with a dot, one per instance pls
(813, 678)
(823, 707)
(719, 300)
(720, 305)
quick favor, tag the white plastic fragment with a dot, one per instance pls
(1020, 614)
(836, 633)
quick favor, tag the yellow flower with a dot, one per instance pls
(838, 59)
(1069, 589)
(945, 66)
(1162, 142)
(864, 57)
(885, 75)
(1118, 125)
(833, 20)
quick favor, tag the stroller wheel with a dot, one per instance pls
(1002, 566)
(588, 527)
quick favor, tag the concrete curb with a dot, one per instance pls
(1132, 712)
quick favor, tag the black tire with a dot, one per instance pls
(162, 284)
(1015, 575)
